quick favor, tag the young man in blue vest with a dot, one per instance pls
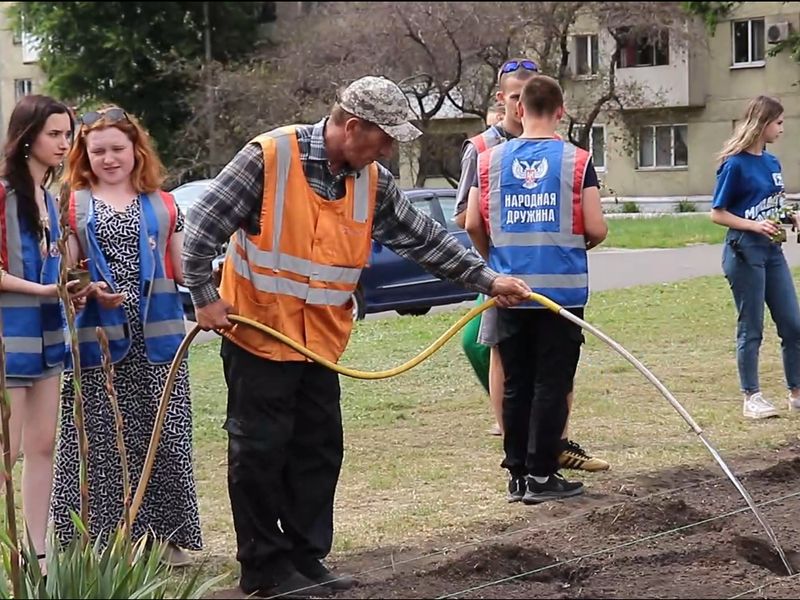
(537, 212)
(510, 80)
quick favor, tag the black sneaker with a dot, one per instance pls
(516, 488)
(295, 585)
(554, 488)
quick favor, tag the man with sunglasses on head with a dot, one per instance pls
(299, 205)
(511, 78)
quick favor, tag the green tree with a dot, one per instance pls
(137, 54)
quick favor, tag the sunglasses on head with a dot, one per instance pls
(111, 115)
(516, 65)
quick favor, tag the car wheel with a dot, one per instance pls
(359, 308)
(416, 312)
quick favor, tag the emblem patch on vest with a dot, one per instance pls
(529, 172)
(54, 251)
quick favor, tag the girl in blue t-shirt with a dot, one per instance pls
(748, 194)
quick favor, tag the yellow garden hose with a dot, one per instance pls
(458, 325)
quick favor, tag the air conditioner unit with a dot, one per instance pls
(778, 32)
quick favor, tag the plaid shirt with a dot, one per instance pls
(234, 199)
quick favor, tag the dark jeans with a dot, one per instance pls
(757, 272)
(540, 352)
(285, 452)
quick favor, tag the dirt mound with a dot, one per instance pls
(652, 516)
(785, 471)
(505, 560)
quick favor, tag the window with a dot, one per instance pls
(663, 146)
(22, 87)
(30, 48)
(424, 205)
(597, 144)
(586, 55)
(644, 50)
(447, 202)
(748, 42)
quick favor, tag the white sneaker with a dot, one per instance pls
(794, 403)
(756, 407)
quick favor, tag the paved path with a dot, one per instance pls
(612, 269)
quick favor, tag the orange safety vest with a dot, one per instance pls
(298, 274)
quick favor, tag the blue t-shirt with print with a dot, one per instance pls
(750, 186)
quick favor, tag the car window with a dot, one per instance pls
(424, 205)
(448, 204)
(187, 194)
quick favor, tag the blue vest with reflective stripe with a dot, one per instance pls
(33, 327)
(160, 307)
(531, 192)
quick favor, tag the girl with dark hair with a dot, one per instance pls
(38, 138)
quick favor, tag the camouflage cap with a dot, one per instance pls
(380, 101)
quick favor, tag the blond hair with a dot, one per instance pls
(761, 111)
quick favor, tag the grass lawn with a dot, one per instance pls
(418, 460)
(663, 232)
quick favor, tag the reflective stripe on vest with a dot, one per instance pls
(289, 287)
(160, 308)
(531, 195)
(33, 327)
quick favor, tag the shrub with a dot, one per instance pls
(120, 569)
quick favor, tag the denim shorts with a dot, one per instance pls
(26, 382)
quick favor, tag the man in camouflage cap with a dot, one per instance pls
(299, 205)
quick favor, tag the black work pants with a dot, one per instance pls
(285, 448)
(540, 352)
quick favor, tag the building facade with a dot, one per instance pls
(693, 102)
(19, 71)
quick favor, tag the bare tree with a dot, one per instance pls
(444, 55)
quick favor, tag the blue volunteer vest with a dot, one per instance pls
(160, 307)
(531, 195)
(33, 327)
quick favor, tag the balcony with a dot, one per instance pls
(664, 76)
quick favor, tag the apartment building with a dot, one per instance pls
(692, 97)
(660, 149)
(19, 71)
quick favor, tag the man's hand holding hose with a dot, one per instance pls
(509, 291)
